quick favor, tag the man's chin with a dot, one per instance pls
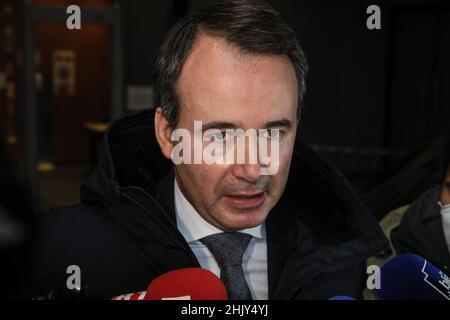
(244, 220)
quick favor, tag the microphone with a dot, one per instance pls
(187, 284)
(411, 277)
(182, 284)
(341, 298)
(131, 296)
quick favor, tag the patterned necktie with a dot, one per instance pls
(228, 249)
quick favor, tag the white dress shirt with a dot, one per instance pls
(254, 261)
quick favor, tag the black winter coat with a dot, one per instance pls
(123, 234)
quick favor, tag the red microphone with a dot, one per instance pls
(182, 284)
(187, 284)
(131, 296)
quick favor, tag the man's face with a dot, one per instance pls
(445, 190)
(225, 89)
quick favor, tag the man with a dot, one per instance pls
(296, 232)
(425, 228)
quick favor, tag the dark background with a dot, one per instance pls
(374, 97)
(381, 89)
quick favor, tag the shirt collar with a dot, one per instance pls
(193, 227)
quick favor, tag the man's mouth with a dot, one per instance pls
(245, 200)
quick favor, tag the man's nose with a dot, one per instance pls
(248, 172)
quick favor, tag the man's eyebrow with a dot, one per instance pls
(228, 125)
(218, 125)
(279, 123)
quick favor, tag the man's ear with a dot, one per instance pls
(163, 133)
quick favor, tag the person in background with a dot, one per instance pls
(425, 227)
(403, 183)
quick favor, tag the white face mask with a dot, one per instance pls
(445, 207)
(445, 215)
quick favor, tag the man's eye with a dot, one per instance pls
(271, 134)
(220, 136)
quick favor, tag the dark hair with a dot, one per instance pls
(253, 26)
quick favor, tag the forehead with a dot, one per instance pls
(218, 81)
